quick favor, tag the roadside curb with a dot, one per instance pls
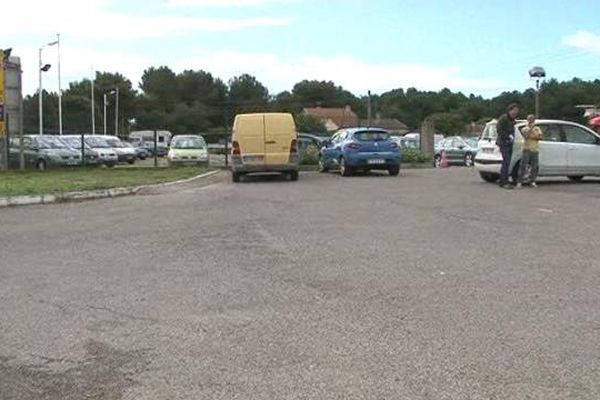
(12, 201)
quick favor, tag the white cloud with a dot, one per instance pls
(584, 40)
(94, 20)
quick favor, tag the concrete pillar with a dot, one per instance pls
(427, 137)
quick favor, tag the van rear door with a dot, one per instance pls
(250, 135)
(280, 131)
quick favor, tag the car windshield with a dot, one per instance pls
(371, 136)
(50, 143)
(72, 142)
(489, 132)
(96, 142)
(115, 143)
(472, 142)
(188, 143)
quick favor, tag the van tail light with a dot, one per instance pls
(235, 149)
(353, 146)
(294, 147)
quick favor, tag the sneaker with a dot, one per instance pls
(506, 186)
(533, 185)
(519, 185)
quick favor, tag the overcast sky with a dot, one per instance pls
(484, 47)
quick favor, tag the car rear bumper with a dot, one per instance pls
(488, 164)
(127, 157)
(203, 160)
(366, 160)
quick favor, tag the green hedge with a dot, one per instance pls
(310, 156)
(414, 156)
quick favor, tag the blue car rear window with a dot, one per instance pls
(371, 136)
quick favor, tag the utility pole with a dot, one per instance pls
(40, 104)
(117, 112)
(104, 114)
(369, 113)
(60, 121)
(3, 127)
(92, 80)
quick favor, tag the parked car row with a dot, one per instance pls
(44, 151)
(567, 149)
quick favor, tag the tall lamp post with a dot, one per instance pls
(41, 68)
(538, 74)
(116, 93)
(105, 103)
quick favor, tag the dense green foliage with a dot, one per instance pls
(195, 101)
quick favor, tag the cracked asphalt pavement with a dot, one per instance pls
(431, 285)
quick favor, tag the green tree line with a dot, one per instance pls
(197, 102)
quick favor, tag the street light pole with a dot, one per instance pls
(60, 122)
(117, 112)
(537, 73)
(40, 105)
(104, 114)
(93, 105)
(537, 98)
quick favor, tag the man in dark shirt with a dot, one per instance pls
(506, 137)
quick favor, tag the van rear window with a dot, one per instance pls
(371, 136)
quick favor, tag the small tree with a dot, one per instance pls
(309, 124)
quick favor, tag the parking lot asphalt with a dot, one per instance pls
(430, 285)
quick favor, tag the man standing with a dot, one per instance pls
(530, 158)
(506, 137)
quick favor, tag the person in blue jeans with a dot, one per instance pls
(505, 139)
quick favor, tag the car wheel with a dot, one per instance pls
(235, 177)
(437, 161)
(130, 162)
(322, 165)
(489, 177)
(468, 160)
(394, 171)
(345, 170)
(110, 165)
(294, 176)
(41, 165)
(577, 178)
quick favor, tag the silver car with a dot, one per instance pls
(105, 152)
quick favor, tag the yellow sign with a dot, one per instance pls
(2, 97)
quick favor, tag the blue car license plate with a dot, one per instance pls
(376, 161)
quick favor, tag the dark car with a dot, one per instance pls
(161, 149)
(459, 151)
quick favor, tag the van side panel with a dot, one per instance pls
(280, 131)
(249, 132)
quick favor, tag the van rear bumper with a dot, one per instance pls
(264, 168)
(237, 165)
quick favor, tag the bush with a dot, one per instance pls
(412, 156)
(310, 156)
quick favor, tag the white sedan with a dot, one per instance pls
(568, 149)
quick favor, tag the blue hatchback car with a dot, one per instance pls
(361, 149)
